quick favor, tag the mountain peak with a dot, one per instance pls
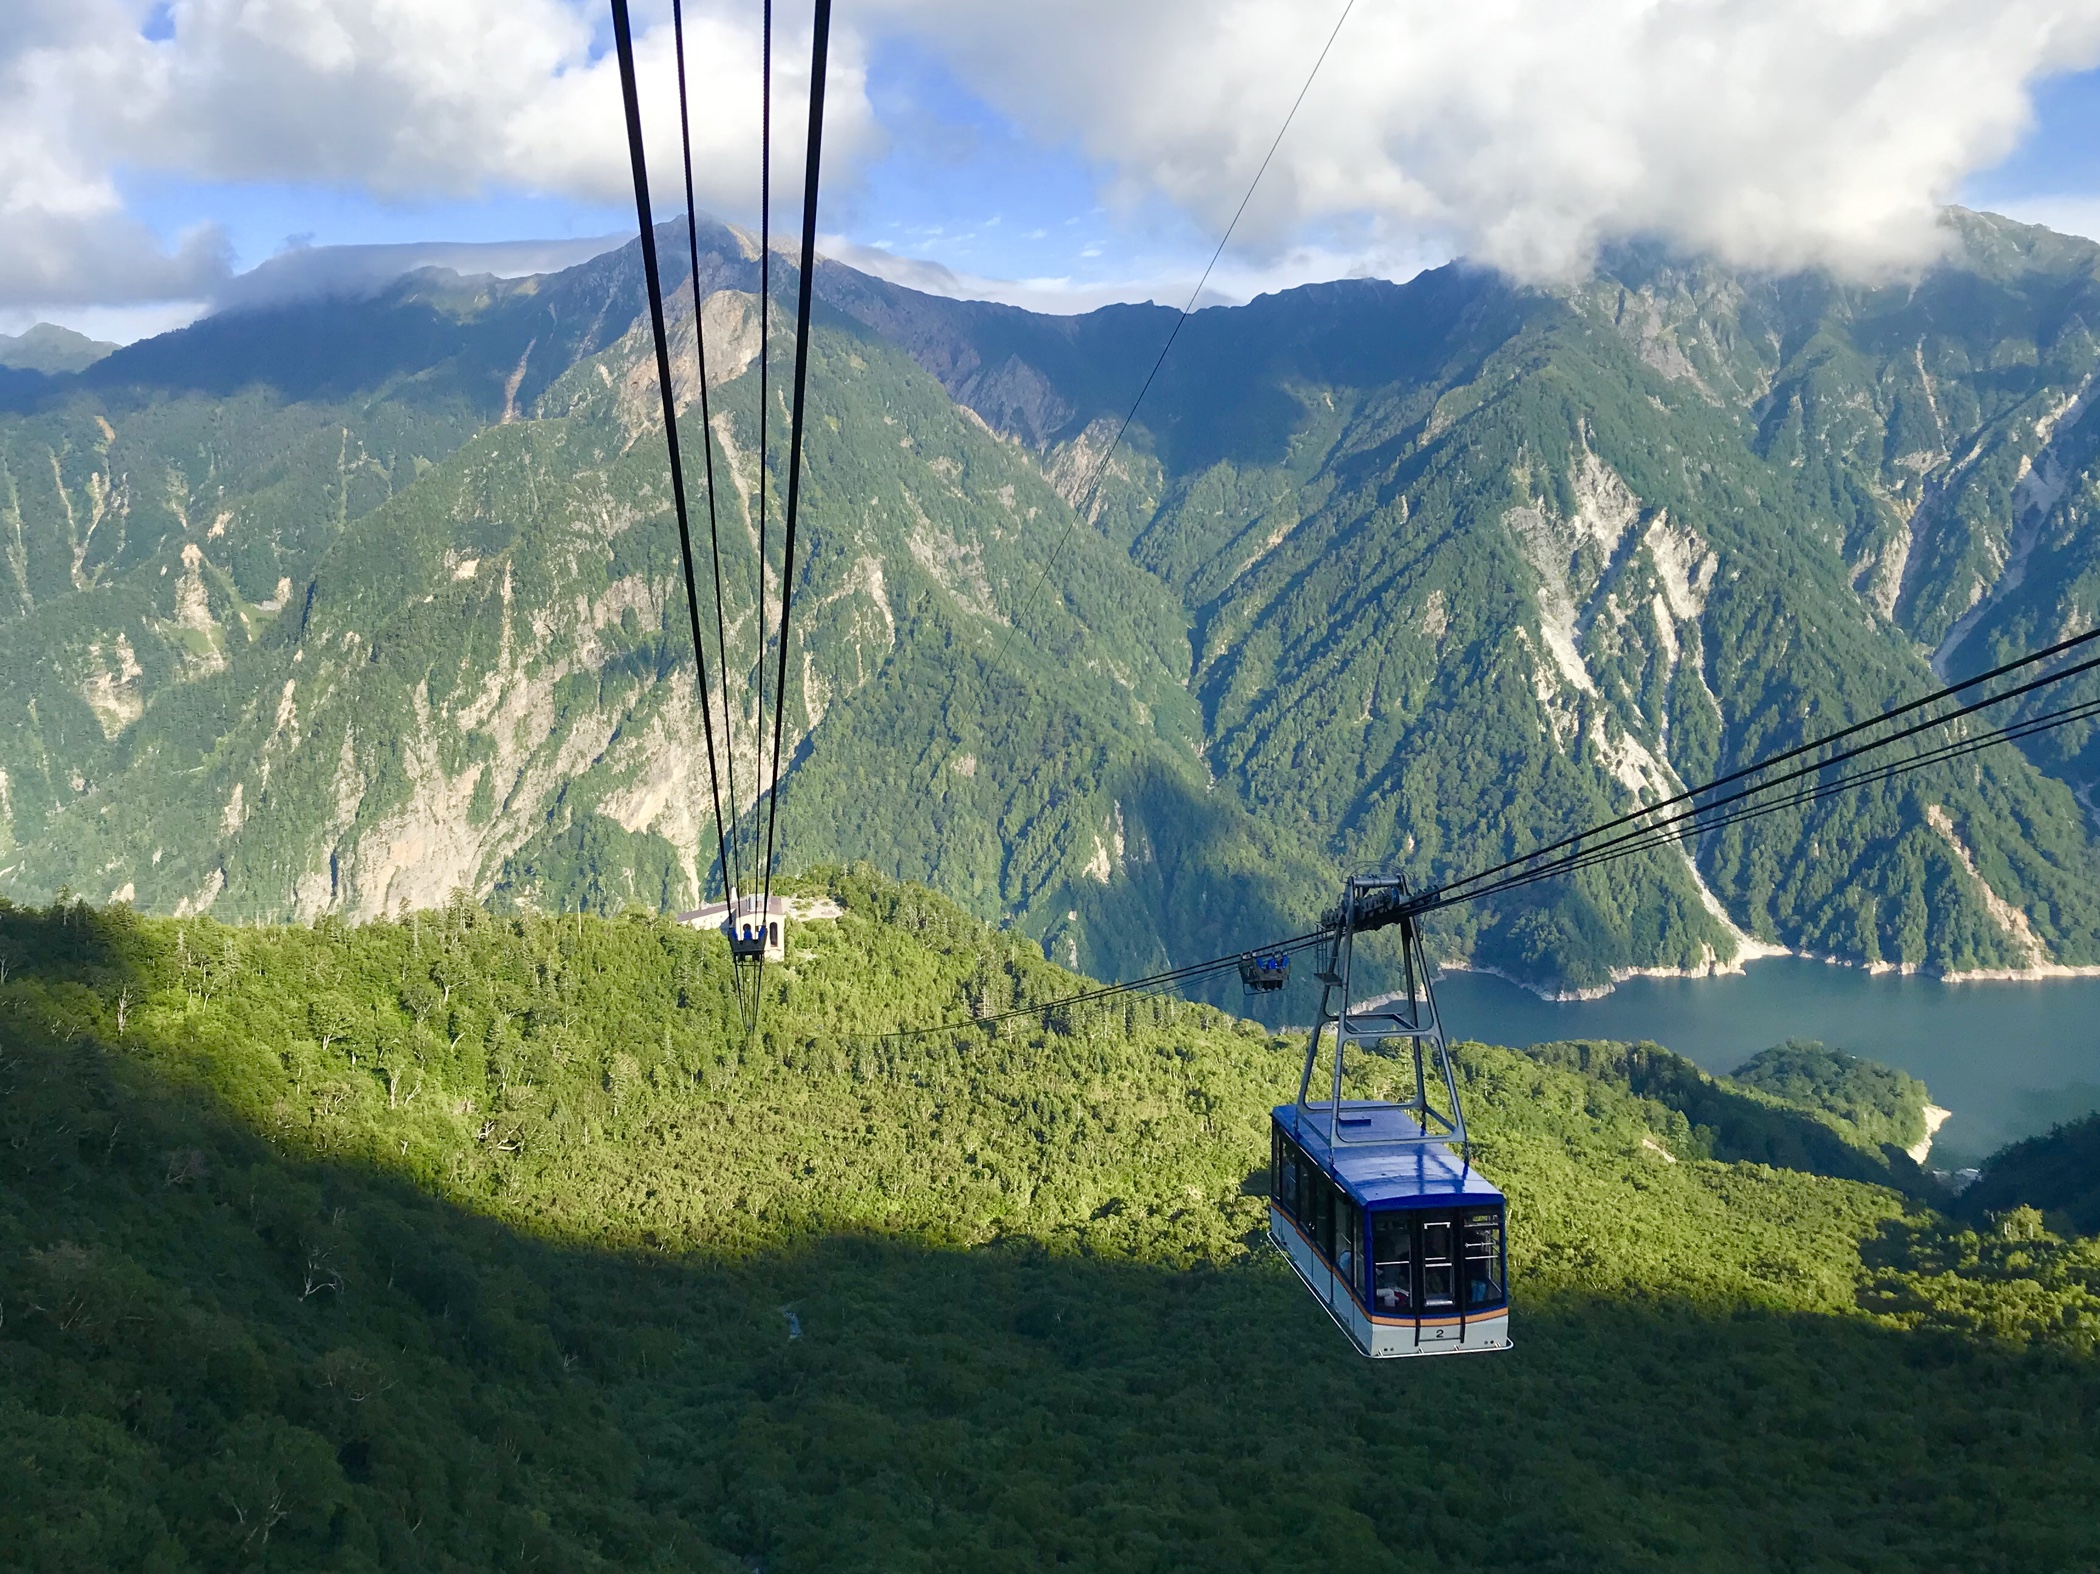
(50, 349)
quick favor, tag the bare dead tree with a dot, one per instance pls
(320, 1275)
(270, 1515)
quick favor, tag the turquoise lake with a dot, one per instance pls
(2008, 1059)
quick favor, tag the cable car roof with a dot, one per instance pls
(1383, 1159)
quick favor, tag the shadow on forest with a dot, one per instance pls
(217, 1332)
(1732, 1125)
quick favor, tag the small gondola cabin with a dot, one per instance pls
(752, 925)
(1399, 1239)
(1265, 974)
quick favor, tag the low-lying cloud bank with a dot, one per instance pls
(1524, 133)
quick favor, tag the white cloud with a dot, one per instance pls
(410, 99)
(64, 234)
(1234, 282)
(1524, 132)
(402, 99)
(352, 272)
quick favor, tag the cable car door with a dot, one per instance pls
(1437, 1253)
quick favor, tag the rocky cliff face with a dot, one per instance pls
(1413, 575)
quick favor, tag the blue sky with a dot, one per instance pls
(2061, 156)
(964, 186)
(1017, 204)
(958, 184)
(961, 185)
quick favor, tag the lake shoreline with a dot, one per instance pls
(2041, 973)
(1936, 1116)
(2009, 1057)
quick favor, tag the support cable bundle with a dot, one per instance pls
(727, 840)
(1762, 788)
(1084, 496)
(1748, 793)
(623, 42)
(732, 877)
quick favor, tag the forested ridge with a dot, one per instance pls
(2055, 1173)
(473, 1240)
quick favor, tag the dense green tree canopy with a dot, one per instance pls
(472, 1241)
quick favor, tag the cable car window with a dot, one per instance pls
(1323, 1221)
(1393, 1262)
(1483, 1252)
(1348, 1241)
(1438, 1289)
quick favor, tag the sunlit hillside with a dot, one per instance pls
(469, 1242)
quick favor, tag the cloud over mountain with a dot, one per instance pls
(1523, 132)
(403, 102)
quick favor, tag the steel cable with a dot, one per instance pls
(1152, 982)
(1083, 506)
(765, 364)
(819, 50)
(1661, 836)
(798, 400)
(653, 281)
(1784, 756)
(1692, 823)
(1453, 892)
(1084, 502)
(734, 877)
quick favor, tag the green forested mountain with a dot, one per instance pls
(471, 1241)
(1791, 1122)
(46, 347)
(336, 607)
(1662, 520)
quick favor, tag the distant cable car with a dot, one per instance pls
(747, 939)
(751, 924)
(1377, 1204)
(1266, 972)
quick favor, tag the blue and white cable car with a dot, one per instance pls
(1376, 1203)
